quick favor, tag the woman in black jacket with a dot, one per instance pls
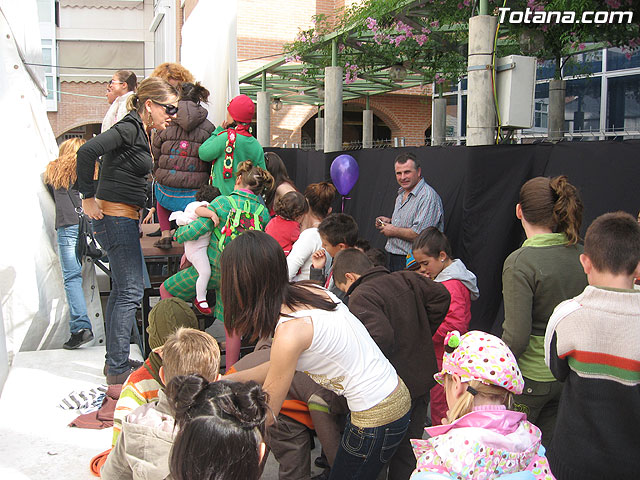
(115, 204)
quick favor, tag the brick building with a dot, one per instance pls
(101, 36)
(264, 26)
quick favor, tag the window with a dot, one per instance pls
(582, 105)
(451, 129)
(540, 109)
(583, 63)
(618, 60)
(546, 69)
(540, 115)
(623, 103)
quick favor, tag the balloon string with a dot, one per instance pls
(343, 199)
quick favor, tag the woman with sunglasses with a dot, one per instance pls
(120, 88)
(115, 203)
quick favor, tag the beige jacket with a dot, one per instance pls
(143, 448)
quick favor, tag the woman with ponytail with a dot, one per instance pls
(226, 417)
(177, 169)
(61, 178)
(545, 271)
(114, 206)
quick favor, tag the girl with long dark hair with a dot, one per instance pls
(313, 332)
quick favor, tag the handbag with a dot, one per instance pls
(86, 244)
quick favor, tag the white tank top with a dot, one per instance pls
(344, 358)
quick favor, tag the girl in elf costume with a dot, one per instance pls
(231, 144)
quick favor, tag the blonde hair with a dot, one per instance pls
(189, 351)
(61, 172)
(173, 71)
(256, 179)
(493, 394)
(154, 89)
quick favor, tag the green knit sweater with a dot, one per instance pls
(536, 278)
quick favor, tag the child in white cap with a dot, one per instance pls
(481, 438)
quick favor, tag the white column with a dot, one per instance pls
(333, 109)
(264, 119)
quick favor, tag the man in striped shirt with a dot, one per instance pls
(417, 207)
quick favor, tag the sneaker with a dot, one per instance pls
(78, 339)
(120, 378)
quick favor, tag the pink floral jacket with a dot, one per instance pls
(485, 444)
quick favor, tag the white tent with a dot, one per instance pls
(209, 51)
(34, 312)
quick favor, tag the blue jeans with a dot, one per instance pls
(364, 451)
(72, 276)
(120, 237)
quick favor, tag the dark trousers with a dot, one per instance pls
(397, 262)
(541, 401)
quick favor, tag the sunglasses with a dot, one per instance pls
(168, 108)
(111, 82)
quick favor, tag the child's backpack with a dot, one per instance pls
(238, 221)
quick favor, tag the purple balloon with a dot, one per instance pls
(344, 173)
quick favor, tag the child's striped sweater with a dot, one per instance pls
(592, 343)
(139, 389)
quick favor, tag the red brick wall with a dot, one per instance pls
(406, 116)
(263, 28)
(74, 111)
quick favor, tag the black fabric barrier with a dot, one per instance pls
(479, 188)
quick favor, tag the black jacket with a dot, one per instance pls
(126, 161)
(402, 310)
(66, 203)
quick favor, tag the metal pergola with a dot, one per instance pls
(288, 83)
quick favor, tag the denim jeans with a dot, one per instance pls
(120, 237)
(72, 276)
(364, 451)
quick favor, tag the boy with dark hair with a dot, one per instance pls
(591, 344)
(401, 311)
(337, 232)
(377, 256)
